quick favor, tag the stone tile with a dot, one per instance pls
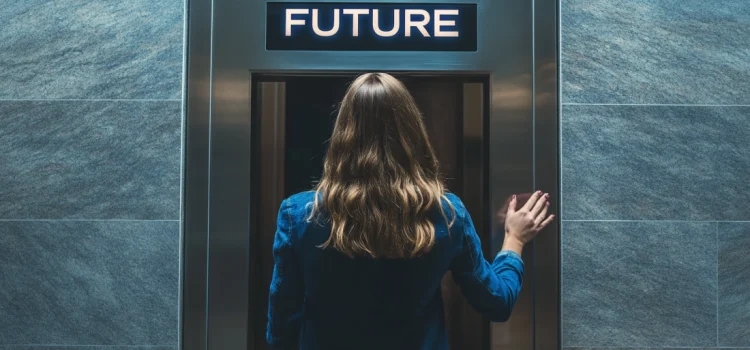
(91, 49)
(734, 284)
(655, 162)
(639, 284)
(84, 282)
(655, 51)
(90, 159)
(86, 347)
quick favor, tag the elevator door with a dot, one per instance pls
(293, 120)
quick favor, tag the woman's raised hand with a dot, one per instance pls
(522, 225)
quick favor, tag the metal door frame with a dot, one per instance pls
(226, 43)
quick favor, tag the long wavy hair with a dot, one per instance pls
(380, 178)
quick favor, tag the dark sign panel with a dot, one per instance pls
(371, 27)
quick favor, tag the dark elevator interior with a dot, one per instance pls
(293, 119)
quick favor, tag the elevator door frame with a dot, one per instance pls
(226, 45)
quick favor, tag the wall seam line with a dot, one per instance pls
(86, 345)
(561, 157)
(90, 100)
(656, 104)
(578, 347)
(654, 220)
(89, 220)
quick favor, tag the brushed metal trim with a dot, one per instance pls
(547, 262)
(194, 303)
(229, 205)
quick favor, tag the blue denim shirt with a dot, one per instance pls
(322, 300)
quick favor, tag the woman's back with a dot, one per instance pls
(369, 303)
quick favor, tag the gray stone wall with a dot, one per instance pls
(90, 151)
(655, 174)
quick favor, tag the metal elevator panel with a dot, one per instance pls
(518, 57)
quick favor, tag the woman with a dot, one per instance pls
(359, 260)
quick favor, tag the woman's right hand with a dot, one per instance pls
(522, 225)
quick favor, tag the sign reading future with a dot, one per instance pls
(371, 27)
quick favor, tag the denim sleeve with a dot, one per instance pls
(286, 298)
(491, 289)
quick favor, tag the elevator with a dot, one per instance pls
(260, 112)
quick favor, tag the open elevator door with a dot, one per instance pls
(293, 118)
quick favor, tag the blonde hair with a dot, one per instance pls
(380, 176)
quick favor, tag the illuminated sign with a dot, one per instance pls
(371, 27)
